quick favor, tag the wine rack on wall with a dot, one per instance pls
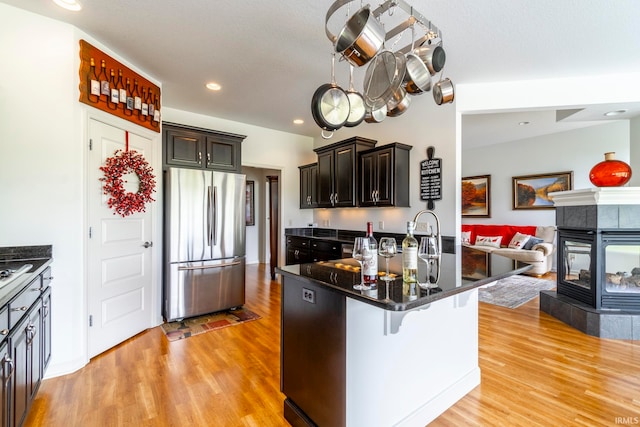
(110, 86)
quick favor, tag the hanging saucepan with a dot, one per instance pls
(417, 79)
(356, 103)
(375, 113)
(432, 54)
(443, 92)
(330, 104)
(361, 38)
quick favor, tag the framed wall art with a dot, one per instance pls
(532, 191)
(249, 205)
(476, 196)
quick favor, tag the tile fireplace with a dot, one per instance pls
(598, 262)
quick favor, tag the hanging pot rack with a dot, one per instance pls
(409, 20)
(414, 17)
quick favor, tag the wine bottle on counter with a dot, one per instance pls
(94, 83)
(371, 266)
(410, 255)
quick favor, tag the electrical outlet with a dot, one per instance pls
(380, 225)
(309, 295)
(422, 226)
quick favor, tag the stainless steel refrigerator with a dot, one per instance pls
(204, 242)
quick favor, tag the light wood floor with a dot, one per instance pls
(536, 371)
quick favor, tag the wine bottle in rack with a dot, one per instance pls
(114, 92)
(370, 267)
(122, 91)
(137, 101)
(151, 106)
(105, 92)
(128, 111)
(156, 110)
(94, 83)
(144, 111)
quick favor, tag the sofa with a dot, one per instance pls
(531, 244)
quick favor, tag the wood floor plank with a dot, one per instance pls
(536, 371)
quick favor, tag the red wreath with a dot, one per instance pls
(124, 202)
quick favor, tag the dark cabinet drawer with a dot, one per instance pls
(20, 304)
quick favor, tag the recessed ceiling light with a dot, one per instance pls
(213, 86)
(523, 123)
(615, 113)
(69, 4)
(298, 121)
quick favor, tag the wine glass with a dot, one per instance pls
(388, 249)
(428, 252)
(362, 253)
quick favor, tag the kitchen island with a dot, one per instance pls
(384, 357)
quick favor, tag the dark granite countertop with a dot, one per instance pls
(457, 274)
(13, 257)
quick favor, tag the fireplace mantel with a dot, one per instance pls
(597, 196)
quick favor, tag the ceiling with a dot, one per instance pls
(270, 57)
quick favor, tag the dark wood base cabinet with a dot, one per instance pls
(25, 326)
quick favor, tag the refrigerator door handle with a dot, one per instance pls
(209, 216)
(215, 215)
(228, 264)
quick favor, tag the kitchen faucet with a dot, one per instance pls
(438, 235)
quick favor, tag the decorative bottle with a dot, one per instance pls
(114, 93)
(128, 111)
(370, 272)
(94, 83)
(122, 91)
(410, 255)
(105, 91)
(137, 101)
(610, 172)
(144, 110)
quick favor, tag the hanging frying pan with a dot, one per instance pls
(330, 104)
(356, 103)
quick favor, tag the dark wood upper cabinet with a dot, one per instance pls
(198, 148)
(309, 186)
(338, 172)
(384, 176)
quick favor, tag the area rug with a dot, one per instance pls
(209, 322)
(513, 291)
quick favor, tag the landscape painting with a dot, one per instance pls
(532, 191)
(476, 197)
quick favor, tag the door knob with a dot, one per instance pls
(148, 244)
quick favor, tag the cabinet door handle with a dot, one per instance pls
(8, 361)
(208, 158)
(4, 332)
(23, 308)
(147, 244)
(48, 278)
(199, 156)
(335, 198)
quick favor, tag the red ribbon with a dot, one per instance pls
(126, 137)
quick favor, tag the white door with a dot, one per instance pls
(119, 264)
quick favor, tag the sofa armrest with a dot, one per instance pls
(546, 248)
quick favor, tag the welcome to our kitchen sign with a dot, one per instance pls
(431, 178)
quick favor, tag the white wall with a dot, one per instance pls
(576, 150)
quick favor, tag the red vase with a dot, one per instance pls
(610, 172)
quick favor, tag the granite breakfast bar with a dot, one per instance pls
(384, 357)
